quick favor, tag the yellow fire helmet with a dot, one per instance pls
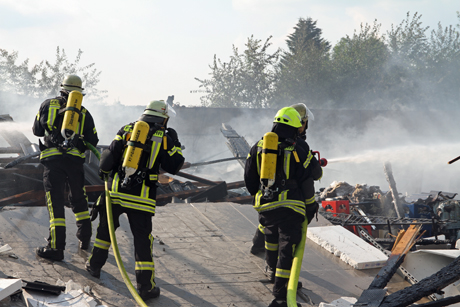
(288, 116)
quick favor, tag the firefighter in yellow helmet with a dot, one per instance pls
(315, 172)
(67, 128)
(280, 200)
(131, 165)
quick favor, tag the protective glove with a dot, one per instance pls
(310, 211)
(96, 207)
(103, 175)
(173, 135)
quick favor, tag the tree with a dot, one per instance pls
(357, 64)
(44, 79)
(247, 80)
(303, 69)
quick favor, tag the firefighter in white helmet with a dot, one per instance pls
(131, 165)
(68, 128)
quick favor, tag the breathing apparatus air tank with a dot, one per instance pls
(134, 151)
(268, 164)
(71, 116)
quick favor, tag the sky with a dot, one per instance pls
(148, 49)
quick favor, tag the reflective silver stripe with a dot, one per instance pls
(153, 177)
(57, 222)
(145, 190)
(283, 195)
(144, 265)
(55, 152)
(156, 142)
(52, 111)
(101, 244)
(271, 246)
(287, 160)
(307, 162)
(310, 200)
(282, 273)
(82, 216)
(296, 205)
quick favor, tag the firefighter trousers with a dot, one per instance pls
(57, 174)
(283, 232)
(140, 223)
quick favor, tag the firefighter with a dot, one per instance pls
(62, 156)
(280, 201)
(134, 193)
(314, 170)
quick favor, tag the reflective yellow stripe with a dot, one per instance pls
(271, 246)
(261, 228)
(156, 141)
(296, 205)
(307, 162)
(81, 123)
(55, 152)
(49, 203)
(175, 150)
(310, 200)
(57, 222)
(101, 244)
(144, 266)
(282, 273)
(145, 190)
(153, 177)
(283, 195)
(82, 215)
(134, 202)
(118, 138)
(287, 161)
(52, 112)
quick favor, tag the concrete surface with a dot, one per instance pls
(201, 254)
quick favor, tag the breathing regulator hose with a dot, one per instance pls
(295, 269)
(113, 239)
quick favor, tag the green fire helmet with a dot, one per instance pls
(288, 116)
(72, 83)
(157, 108)
(305, 113)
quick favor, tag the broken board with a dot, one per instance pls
(349, 247)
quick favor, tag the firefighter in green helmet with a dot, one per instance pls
(134, 192)
(62, 156)
(281, 205)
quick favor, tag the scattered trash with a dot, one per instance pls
(5, 248)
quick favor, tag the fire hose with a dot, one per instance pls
(116, 252)
(295, 269)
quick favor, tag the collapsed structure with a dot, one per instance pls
(372, 214)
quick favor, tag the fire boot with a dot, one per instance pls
(94, 272)
(278, 303)
(50, 253)
(258, 243)
(148, 294)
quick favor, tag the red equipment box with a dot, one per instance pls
(336, 206)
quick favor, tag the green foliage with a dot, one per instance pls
(357, 64)
(44, 79)
(245, 81)
(408, 67)
(303, 69)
